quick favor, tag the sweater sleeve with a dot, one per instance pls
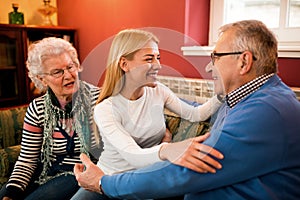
(30, 151)
(194, 114)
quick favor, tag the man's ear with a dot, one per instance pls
(123, 64)
(246, 62)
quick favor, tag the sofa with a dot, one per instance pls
(11, 124)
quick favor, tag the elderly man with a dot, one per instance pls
(257, 130)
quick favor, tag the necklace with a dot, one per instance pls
(63, 118)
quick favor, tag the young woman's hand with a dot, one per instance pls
(167, 137)
(191, 153)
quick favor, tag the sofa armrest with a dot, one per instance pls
(4, 163)
(11, 125)
(8, 158)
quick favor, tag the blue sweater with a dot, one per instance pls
(260, 139)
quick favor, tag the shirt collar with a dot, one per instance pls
(240, 93)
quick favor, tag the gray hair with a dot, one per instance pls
(254, 36)
(44, 49)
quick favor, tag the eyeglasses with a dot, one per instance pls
(215, 55)
(56, 73)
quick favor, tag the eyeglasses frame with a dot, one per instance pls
(72, 66)
(215, 55)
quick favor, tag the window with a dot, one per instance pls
(281, 16)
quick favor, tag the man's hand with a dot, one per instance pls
(191, 153)
(88, 174)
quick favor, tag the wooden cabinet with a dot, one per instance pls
(15, 86)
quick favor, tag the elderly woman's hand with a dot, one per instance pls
(191, 153)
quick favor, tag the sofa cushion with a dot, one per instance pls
(4, 163)
(182, 129)
(8, 158)
(11, 124)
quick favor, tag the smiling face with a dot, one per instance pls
(143, 69)
(226, 71)
(66, 85)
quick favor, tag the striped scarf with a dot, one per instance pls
(80, 109)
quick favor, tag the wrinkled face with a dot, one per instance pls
(143, 69)
(225, 69)
(66, 85)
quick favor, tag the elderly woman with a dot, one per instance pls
(57, 126)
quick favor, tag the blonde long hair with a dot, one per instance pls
(125, 44)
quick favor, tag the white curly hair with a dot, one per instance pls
(44, 49)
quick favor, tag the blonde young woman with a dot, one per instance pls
(130, 112)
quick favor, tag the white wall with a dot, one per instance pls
(29, 8)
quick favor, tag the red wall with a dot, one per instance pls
(289, 71)
(98, 20)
